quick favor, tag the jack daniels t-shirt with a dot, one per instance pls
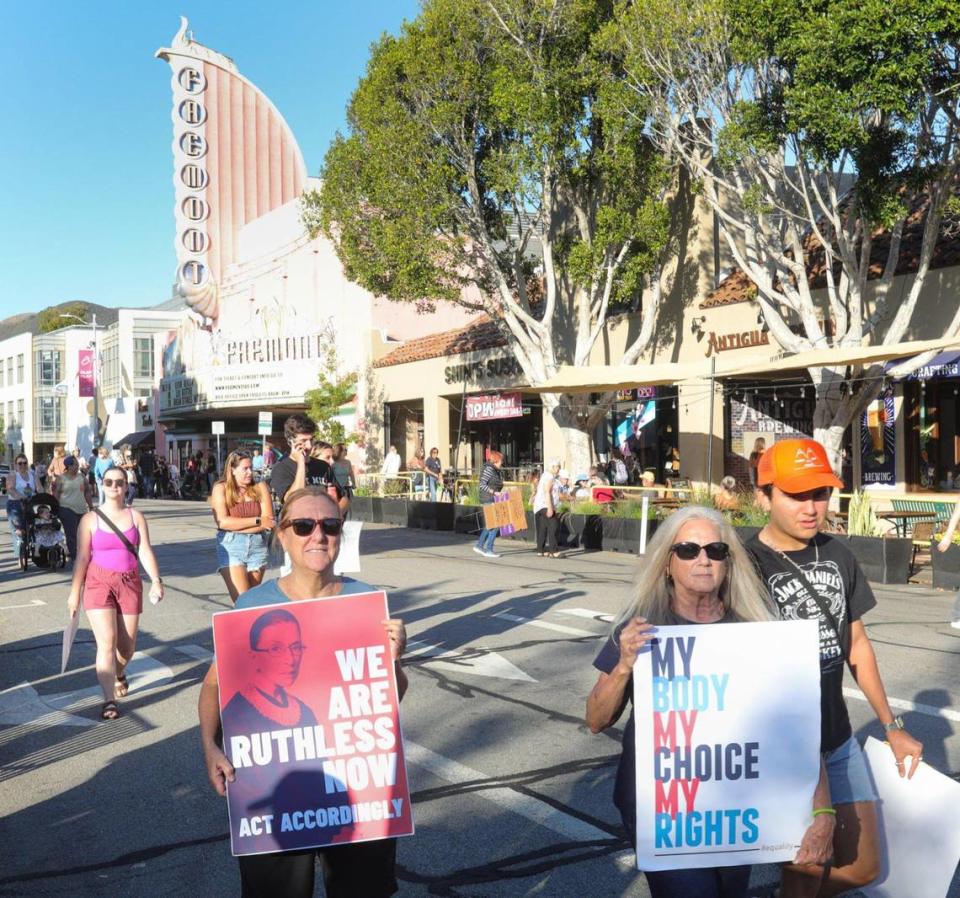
(844, 590)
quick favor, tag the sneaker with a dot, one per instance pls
(478, 550)
(490, 554)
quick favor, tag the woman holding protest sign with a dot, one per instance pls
(309, 531)
(695, 571)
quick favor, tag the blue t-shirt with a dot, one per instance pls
(270, 594)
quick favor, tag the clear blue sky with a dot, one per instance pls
(86, 207)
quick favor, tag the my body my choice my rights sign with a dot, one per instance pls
(727, 743)
(309, 707)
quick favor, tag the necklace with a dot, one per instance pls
(800, 570)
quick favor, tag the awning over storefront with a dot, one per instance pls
(946, 364)
(136, 439)
(601, 378)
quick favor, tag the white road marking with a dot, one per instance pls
(523, 805)
(22, 705)
(197, 652)
(31, 604)
(489, 664)
(586, 613)
(543, 625)
(907, 705)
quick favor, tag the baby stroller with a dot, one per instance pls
(43, 538)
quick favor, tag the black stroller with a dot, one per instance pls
(43, 538)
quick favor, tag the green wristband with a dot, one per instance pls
(824, 811)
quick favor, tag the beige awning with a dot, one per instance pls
(854, 355)
(603, 378)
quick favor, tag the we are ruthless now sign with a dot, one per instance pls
(310, 715)
(491, 408)
(728, 740)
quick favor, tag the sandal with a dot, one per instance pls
(121, 687)
(110, 711)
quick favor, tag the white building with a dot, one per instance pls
(46, 402)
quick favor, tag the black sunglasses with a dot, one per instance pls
(689, 551)
(305, 526)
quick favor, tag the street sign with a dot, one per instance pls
(216, 427)
(265, 424)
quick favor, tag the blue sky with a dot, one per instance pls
(86, 208)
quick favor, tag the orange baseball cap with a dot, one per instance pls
(796, 466)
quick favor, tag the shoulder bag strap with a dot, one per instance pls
(131, 548)
(825, 609)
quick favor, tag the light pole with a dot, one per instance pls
(96, 373)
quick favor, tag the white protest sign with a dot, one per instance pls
(728, 743)
(265, 424)
(919, 828)
(348, 560)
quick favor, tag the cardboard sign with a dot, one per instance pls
(506, 511)
(727, 723)
(309, 707)
(919, 828)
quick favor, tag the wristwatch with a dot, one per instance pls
(895, 724)
(257, 522)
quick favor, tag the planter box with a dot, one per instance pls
(586, 531)
(430, 515)
(623, 534)
(367, 508)
(882, 560)
(395, 511)
(946, 568)
(747, 533)
(467, 518)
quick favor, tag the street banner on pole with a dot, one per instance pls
(309, 707)
(265, 424)
(85, 374)
(727, 723)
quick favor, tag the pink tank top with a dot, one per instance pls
(108, 550)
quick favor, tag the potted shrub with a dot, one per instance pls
(884, 559)
(622, 527)
(366, 506)
(585, 523)
(749, 518)
(946, 565)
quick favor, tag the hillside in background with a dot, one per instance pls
(29, 322)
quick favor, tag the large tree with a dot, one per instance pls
(819, 130)
(490, 162)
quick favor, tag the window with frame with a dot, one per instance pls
(10, 370)
(143, 357)
(19, 369)
(1, 375)
(49, 365)
(49, 411)
(110, 362)
(11, 421)
(19, 413)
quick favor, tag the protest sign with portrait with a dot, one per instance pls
(728, 740)
(309, 708)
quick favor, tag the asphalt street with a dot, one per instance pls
(511, 792)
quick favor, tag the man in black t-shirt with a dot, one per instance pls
(299, 468)
(810, 575)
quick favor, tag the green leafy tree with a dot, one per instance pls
(490, 163)
(815, 128)
(54, 317)
(334, 390)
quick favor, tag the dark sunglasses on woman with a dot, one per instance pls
(305, 526)
(689, 551)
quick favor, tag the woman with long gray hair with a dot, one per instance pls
(695, 571)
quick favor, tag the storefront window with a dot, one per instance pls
(932, 415)
(48, 364)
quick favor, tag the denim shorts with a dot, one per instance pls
(247, 550)
(847, 771)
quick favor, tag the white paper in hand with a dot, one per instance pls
(348, 561)
(69, 634)
(919, 828)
